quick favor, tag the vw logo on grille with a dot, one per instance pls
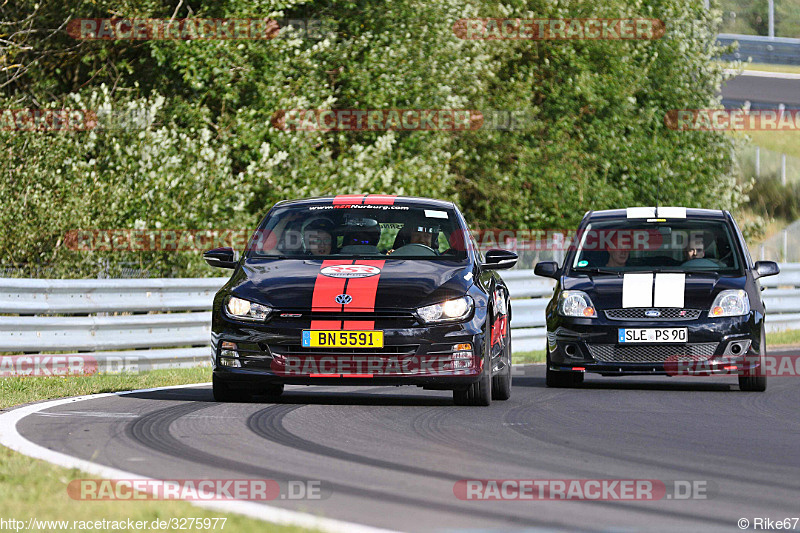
(344, 299)
(652, 313)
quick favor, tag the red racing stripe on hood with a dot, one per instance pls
(344, 199)
(363, 291)
(380, 199)
(326, 289)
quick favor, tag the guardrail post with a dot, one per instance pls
(771, 19)
(785, 245)
(758, 161)
(783, 169)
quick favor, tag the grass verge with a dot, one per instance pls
(30, 488)
(783, 338)
(781, 142)
(15, 391)
(536, 356)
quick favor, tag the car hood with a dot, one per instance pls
(394, 284)
(699, 290)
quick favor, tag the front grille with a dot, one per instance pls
(292, 350)
(666, 313)
(301, 318)
(649, 353)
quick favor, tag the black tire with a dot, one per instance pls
(225, 393)
(480, 392)
(561, 380)
(756, 383)
(501, 383)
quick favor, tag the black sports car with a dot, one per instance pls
(362, 290)
(665, 290)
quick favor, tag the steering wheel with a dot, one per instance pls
(414, 249)
(702, 262)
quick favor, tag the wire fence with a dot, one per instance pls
(762, 163)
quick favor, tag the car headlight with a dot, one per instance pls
(730, 303)
(245, 310)
(448, 311)
(576, 303)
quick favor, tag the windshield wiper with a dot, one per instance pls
(669, 270)
(597, 270)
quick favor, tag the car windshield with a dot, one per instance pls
(324, 231)
(656, 245)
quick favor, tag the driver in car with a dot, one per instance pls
(318, 237)
(618, 253)
(695, 250)
(694, 254)
(416, 233)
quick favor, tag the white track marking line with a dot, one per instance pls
(11, 438)
(765, 74)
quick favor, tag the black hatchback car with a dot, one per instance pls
(664, 290)
(362, 290)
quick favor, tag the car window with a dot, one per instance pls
(356, 231)
(674, 245)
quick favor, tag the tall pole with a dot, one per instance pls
(771, 19)
(758, 161)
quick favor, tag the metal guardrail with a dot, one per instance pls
(158, 323)
(776, 50)
(115, 323)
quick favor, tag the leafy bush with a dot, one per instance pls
(769, 197)
(212, 159)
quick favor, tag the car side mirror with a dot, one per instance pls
(221, 258)
(546, 269)
(499, 259)
(765, 268)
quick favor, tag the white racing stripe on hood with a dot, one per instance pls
(670, 289)
(671, 212)
(637, 290)
(640, 212)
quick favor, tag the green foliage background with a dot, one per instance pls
(211, 158)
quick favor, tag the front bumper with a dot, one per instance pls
(728, 345)
(413, 354)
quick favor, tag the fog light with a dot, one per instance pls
(228, 355)
(462, 351)
(737, 348)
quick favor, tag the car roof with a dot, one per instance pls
(656, 212)
(413, 200)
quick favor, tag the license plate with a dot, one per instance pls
(342, 339)
(631, 336)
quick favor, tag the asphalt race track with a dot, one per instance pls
(389, 457)
(765, 88)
